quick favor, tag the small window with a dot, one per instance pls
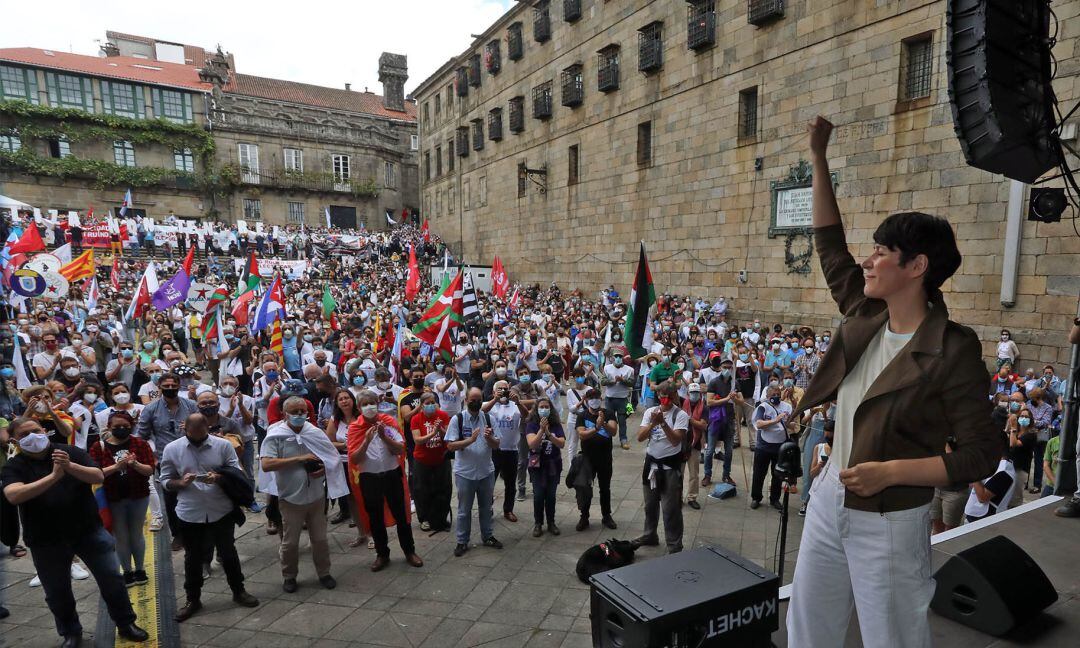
(18, 84)
(252, 209)
(10, 143)
(342, 168)
(748, 108)
(542, 21)
(427, 166)
(296, 212)
(466, 196)
(644, 144)
(438, 106)
(124, 153)
(916, 68)
(184, 160)
(572, 165)
(478, 134)
(701, 24)
(122, 99)
(542, 101)
(438, 161)
(760, 12)
(294, 159)
(414, 142)
(517, 114)
(389, 176)
(651, 47)
(495, 124)
(515, 48)
(59, 148)
(426, 114)
(481, 190)
(172, 105)
(67, 91)
(607, 70)
(573, 86)
(450, 156)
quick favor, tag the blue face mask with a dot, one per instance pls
(788, 382)
(271, 376)
(127, 353)
(155, 377)
(1014, 406)
(580, 380)
(297, 420)
(358, 381)
(525, 380)
(429, 408)
(7, 372)
(543, 412)
(744, 357)
(1023, 421)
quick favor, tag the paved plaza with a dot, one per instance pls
(523, 595)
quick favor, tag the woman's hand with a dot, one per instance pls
(867, 479)
(820, 129)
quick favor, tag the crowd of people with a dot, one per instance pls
(336, 429)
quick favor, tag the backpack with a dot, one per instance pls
(723, 491)
(605, 556)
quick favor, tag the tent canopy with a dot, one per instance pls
(11, 203)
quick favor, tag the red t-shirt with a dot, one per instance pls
(433, 451)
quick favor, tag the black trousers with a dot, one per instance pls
(9, 523)
(434, 488)
(199, 540)
(600, 460)
(506, 466)
(380, 488)
(764, 462)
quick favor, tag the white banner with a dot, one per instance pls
(267, 267)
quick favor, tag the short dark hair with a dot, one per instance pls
(915, 233)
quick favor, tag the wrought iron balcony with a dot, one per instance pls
(515, 45)
(760, 12)
(573, 86)
(571, 10)
(474, 70)
(493, 57)
(517, 114)
(495, 129)
(650, 47)
(542, 22)
(478, 134)
(701, 24)
(542, 101)
(607, 72)
(461, 141)
(461, 82)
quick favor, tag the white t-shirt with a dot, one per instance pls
(1004, 478)
(884, 346)
(659, 445)
(618, 390)
(528, 355)
(462, 366)
(450, 401)
(378, 458)
(45, 360)
(506, 421)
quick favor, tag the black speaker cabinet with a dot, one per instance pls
(992, 587)
(693, 599)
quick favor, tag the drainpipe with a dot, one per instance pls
(1014, 223)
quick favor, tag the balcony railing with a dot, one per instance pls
(474, 71)
(571, 10)
(493, 57)
(541, 22)
(478, 134)
(650, 48)
(542, 101)
(461, 141)
(573, 86)
(515, 45)
(461, 82)
(517, 114)
(607, 72)
(302, 180)
(701, 24)
(495, 131)
(760, 12)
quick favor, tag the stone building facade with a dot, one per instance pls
(283, 152)
(682, 124)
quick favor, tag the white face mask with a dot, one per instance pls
(41, 408)
(593, 403)
(71, 372)
(34, 443)
(383, 385)
(122, 399)
(90, 398)
(228, 390)
(369, 411)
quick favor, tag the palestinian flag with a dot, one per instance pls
(638, 333)
(249, 278)
(441, 317)
(329, 307)
(210, 323)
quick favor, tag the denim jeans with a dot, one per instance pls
(618, 405)
(719, 432)
(247, 460)
(483, 490)
(53, 565)
(128, 517)
(815, 434)
(545, 490)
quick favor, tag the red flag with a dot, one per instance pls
(240, 307)
(189, 260)
(412, 286)
(499, 279)
(30, 241)
(114, 276)
(89, 213)
(514, 299)
(426, 231)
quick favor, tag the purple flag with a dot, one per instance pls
(173, 291)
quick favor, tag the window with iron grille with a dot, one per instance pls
(571, 10)
(493, 56)
(542, 21)
(651, 47)
(438, 161)
(573, 86)
(427, 166)
(474, 70)
(572, 165)
(759, 12)
(252, 209)
(427, 114)
(644, 144)
(916, 68)
(478, 134)
(495, 124)
(515, 44)
(522, 180)
(450, 156)
(607, 70)
(517, 114)
(701, 24)
(462, 143)
(438, 106)
(389, 175)
(542, 101)
(461, 82)
(748, 107)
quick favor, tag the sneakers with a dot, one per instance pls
(424, 526)
(35, 581)
(1069, 509)
(245, 599)
(553, 529)
(78, 573)
(493, 543)
(460, 550)
(289, 585)
(521, 495)
(802, 511)
(129, 579)
(206, 572)
(256, 507)
(582, 524)
(140, 577)
(156, 522)
(609, 522)
(538, 531)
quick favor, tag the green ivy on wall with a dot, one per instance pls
(102, 173)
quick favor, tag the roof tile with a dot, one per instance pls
(115, 67)
(313, 95)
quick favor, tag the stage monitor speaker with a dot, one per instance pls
(998, 54)
(708, 597)
(992, 587)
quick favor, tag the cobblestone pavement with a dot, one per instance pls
(523, 595)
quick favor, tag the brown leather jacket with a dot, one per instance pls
(934, 389)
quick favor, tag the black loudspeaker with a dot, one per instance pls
(999, 69)
(707, 597)
(1047, 204)
(992, 587)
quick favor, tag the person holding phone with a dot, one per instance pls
(770, 419)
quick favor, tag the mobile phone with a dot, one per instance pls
(202, 477)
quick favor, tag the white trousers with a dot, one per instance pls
(880, 564)
(571, 439)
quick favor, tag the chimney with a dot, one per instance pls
(393, 72)
(348, 86)
(110, 49)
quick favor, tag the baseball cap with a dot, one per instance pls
(292, 387)
(694, 388)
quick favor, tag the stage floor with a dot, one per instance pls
(1052, 542)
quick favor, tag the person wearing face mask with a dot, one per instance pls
(618, 380)
(525, 393)
(86, 400)
(770, 419)
(1003, 381)
(193, 466)
(127, 462)
(376, 451)
(82, 352)
(50, 483)
(162, 422)
(432, 476)
(530, 349)
(472, 439)
(596, 426)
(575, 396)
(499, 372)
(1042, 415)
(506, 415)
(46, 363)
(1007, 351)
(122, 368)
(814, 421)
(301, 466)
(806, 365)
(289, 349)
(241, 410)
(1022, 436)
(41, 405)
(545, 439)
(665, 428)
(697, 413)
(150, 390)
(451, 391)
(69, 375)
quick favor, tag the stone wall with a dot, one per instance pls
(701, 207)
